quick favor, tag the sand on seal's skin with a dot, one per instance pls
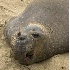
(9, 9)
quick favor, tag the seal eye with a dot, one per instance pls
(35, 35)
(19, 33)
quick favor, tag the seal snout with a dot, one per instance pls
(24, 45)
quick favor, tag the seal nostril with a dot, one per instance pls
(21, 38)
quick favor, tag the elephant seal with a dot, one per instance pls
(40, 32)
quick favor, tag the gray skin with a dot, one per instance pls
(40, 32)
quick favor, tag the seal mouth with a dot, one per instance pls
(28, 56)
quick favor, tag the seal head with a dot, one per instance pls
(28, 42)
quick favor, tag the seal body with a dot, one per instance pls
(40, 32)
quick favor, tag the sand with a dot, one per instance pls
(12, 8)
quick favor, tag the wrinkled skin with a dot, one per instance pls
(40, 32)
